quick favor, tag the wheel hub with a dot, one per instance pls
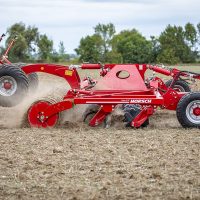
(196, 111)
(36, 117)
(193, 112)
(8, 86)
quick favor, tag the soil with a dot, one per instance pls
(75, 161)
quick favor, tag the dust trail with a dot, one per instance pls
(73, 115)
(12, 117)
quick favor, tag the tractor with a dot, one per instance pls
(14, 83)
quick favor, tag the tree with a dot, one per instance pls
(106, 32)
(90, 49)
(61, 47)
(175, 39)
(168, 57)
(61, 52)
(198, 31)
(29, 43)
(98, 47)
(155, 48)
(190, 34)
(45, 47)
(133, 47)
(24, 45)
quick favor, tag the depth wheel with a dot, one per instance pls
(179, 86)
(188, 110)
(130, 113)
(90, 112)
(13, 85)
(36, 118)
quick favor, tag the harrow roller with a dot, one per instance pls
(47, 112)
(36, 116)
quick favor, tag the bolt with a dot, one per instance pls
(42, 117)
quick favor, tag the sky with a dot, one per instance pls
(70, 20)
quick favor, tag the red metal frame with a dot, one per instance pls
(131, 90)
(4, 57)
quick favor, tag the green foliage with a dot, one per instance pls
(31, 45)
(62, 56)
(190, 34)
(133, 47)
(178, 42)
(24, 45)
(155, 51)
(114, 57)
(90, 49)
(106, 32)
(61, 48)
(45, 47)
(106, 46)
(97, 48)
(167, 56)
(55, 57)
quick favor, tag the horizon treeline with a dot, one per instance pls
(175, 44)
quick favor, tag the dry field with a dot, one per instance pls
(74, 161)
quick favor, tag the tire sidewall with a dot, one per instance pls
(182, 110)
(181, 83)
(21, 89)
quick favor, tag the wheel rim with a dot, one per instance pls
(36, 117)
(8, 86)
(193, 112)
(179, 88)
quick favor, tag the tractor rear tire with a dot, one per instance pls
(188, 110)
(179, 86)
(32, 78)
(13, 85)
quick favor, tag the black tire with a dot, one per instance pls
(89, 113)
(180, 85)
(33, 82)
(186, 108)
(19, 85)
(145, 124)
(90, 110)
(130, 112)
(32, 78)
